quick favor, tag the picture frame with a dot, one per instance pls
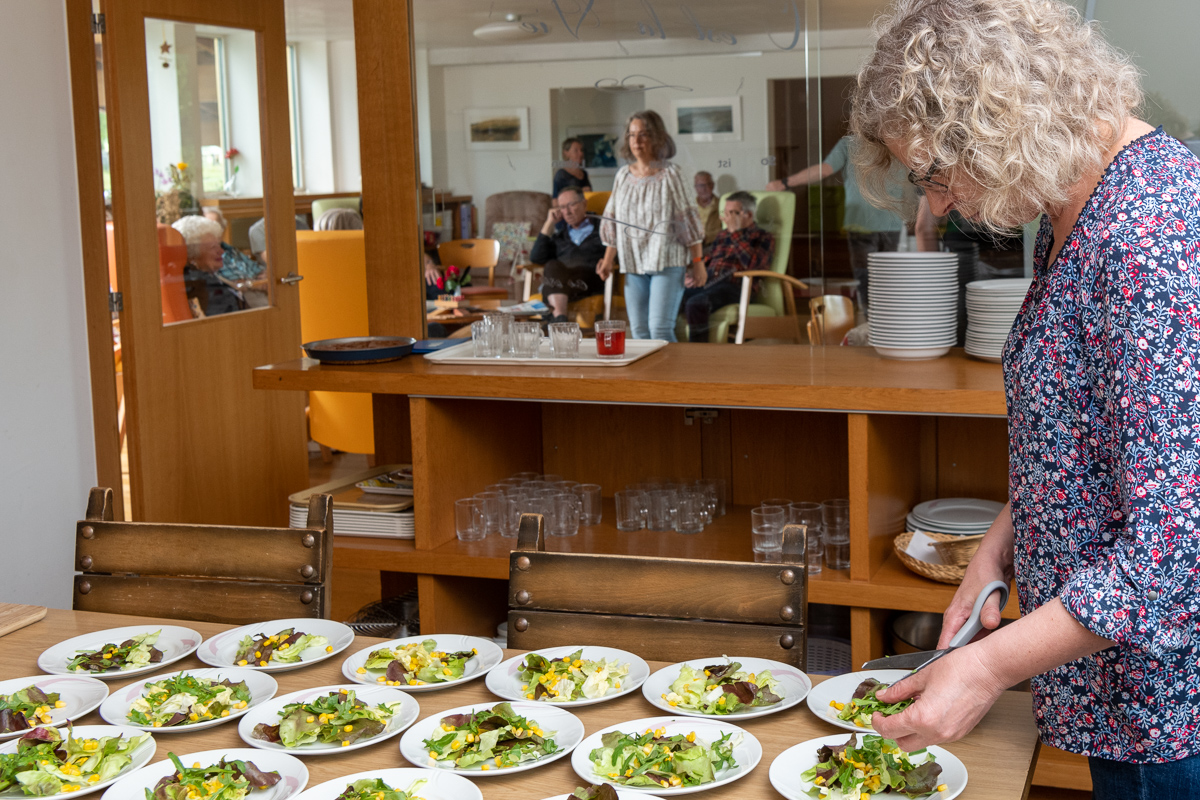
(601, 147)
(496, 128)
(707, 119)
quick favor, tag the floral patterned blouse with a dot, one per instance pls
(1102, 371)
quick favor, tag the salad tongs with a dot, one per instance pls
(973, 625)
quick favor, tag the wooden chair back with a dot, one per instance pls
(662, 609)
(832, 317)
(209, 573)
(483, 253)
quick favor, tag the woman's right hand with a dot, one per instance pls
(604, 268)
(992, 562)
(432, 273)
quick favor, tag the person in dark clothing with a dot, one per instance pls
(568, 253)
(572, 175)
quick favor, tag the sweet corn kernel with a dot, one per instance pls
(348, 728)
(329, 648)
(196, 765)
(310, 719)
(361, 670)
(433, 754)
(258, 654)
(691, 737)
(345, 744)
(59, 704)
(529, 696)
(485, 766)
(941, 787)
(381, 679)
(470, 738)
(262, 663)
(243, 663)
(225, 713)
(284, 646)
(93, 778)
(455, 745)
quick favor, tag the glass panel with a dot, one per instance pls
(204, 127)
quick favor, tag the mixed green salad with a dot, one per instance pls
(417, 663)
(186, 699)
(654, 759)
(497, 736)
(337, 717)
(225, 780)
(849, 771)
(601, 791)
(376, 789)
(863, 704)
(570, 677)
(31, 704)
(284, 647)
(47, 764)
(137, 651)
(722, 689)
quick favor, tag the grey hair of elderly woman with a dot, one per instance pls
(340, 219)
(197, 232)
(1021, 97)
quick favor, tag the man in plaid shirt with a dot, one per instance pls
(742, 246)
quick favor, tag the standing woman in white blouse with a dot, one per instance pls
(652, 228)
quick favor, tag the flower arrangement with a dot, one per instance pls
(230, 155)
(176, 198)
(453, 279)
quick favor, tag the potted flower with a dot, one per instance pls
(450, 283)
(175, 199)
(230, 155)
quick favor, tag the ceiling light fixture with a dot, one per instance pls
(511, 30)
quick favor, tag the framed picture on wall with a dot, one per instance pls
(601, 147)
(712, 119)
(497, 128)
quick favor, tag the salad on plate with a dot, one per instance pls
(185, 699)
(284, 647)
(337, 717)
(232, 780)
(417, 663)
(136, 651)
(601, 791)
(495, 737)
(863, 704)
(652, 758)
(31, 704)
(47, 764)
(849, 771)
(570, 677)
(376, 789)
(722, 689)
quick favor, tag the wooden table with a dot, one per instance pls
(999, 754)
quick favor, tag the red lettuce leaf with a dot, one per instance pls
(268, 733)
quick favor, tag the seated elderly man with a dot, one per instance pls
(742, 246)
(211, 294)
(568, 253)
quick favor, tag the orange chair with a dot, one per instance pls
(596, 201)
(481, 253)
(172, 258)
(333, 304)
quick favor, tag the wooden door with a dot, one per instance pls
(204, 446)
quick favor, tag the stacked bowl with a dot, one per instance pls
(991, 308)
(913, 301)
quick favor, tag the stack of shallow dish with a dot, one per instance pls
(913, 303)
(991, 308)
(954, 516)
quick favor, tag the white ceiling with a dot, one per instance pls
(450, 23)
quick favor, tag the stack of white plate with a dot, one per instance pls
(991, 308)
(386, 524)
(958, 516)
(914, 303)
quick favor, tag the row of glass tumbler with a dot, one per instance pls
(660, 505)
(498, 335)
(827, 530)
(563, 504)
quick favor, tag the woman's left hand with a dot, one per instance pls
(699, 275)
(952, 695)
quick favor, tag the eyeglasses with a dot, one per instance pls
(565, 206)
(641, 135)
(927, 182)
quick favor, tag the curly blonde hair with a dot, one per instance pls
(1020, 96)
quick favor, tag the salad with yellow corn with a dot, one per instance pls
(416, 663)
(652, 758)
(863, 704)
(231, 780)
(136, 651)
(337, 717)
(186, 699)
(376, 789)
(284, 647)
(722, 689)
(25, 706)
(851, 771)
(495, 737)
(47, 764)
(570, 677)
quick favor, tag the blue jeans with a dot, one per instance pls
(652, 302)
(1174, 780)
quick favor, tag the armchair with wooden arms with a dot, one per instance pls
(471, 253)
(208, 573)
(832, 318)
(662, 609)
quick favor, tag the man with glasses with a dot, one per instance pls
(568, 253)
(868, 229)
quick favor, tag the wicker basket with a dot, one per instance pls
(939, 572)
(959, 550)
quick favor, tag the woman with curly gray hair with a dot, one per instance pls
(1004, 110)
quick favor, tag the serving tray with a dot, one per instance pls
(635, 349)
(360, 349)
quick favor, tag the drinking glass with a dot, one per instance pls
(809, 515)
(510, 516)
(564, 339)
(493, 510)
(589, 497)
(525, 477)
(835, 515)
(468, 519)
(691, 510)
(630, 514)
(659, 503)
(716, 488)
(766, 528)
(504, 322)
(527, 339)
(565, 486)
(551, 478)
(776, 501)
(564, 518)
(610, 338)
(486, 337)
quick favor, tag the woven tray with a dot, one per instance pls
(938, 572)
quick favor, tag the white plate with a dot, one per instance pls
(175, 643)
(796, 686)
(911, 353)
(622, 794)
(269, 713)
(262, 688)
(958, 511)
(911, 343)
(559, 724)
(1001, 285)
(80, 693)
(438, 785)
(747, 754)
(140, 756)
(791, 763)
(219, 651)
(292, 772)
(487, 657)
(504, 681)
(841, 688)
(916, 525)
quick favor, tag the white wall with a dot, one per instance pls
(343, 105)
(47, 457)
(327, 85)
